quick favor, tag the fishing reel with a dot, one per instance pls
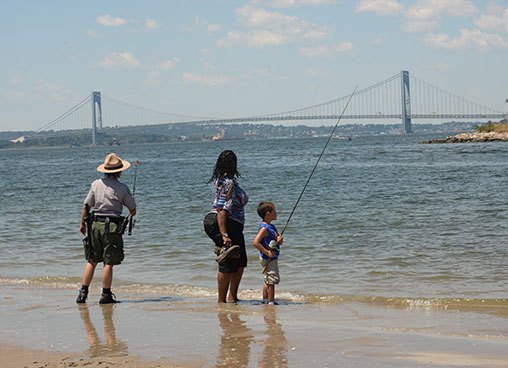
(272, 245)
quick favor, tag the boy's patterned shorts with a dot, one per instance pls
(272, 276)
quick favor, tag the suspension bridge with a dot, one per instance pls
(401, 96)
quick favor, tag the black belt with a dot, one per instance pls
(116, 220)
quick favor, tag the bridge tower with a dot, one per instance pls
(96, 118)
(406, 102)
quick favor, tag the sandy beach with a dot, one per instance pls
(44, 327)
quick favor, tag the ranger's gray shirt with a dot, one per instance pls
(107, 196)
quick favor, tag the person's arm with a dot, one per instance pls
(82, 225)
(280, 238)
(222, 220)
(223, 209)
(262, 233)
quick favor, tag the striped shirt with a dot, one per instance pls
(233, 203)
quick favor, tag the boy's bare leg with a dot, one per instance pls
(107, 276)
(235, 284)
(223, 280)
(88, 273)
(265, 291)
(271, 292)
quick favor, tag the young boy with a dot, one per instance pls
(267, 232)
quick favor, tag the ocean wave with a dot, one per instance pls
(136, 290)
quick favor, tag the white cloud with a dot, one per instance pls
(13, 94)
(314, 51)
(297, 3)
(258, 17)
(343, 47)
(417, 26)
(208, 66)
(40, 91)
(440, 67)
(213, 27)
(264, 72)
(109, 21)
(313, 71)
(378, 41)
(49, 87)
(205, 80)
(169, 64)
(270, 29)
(422, 16)
(493, 8)
(494, 22)
(126, 60)
(256, 38)
(16, 79)
(116, 60)
(153, 78)
(381, 7)
(432, 9)
(198, 24)
(325, 50)
(51, 92)
(152, 24)
(315, 34)
(92, 33)
(468, 39)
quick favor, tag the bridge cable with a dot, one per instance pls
(317, 162)
(156, 111)
(64, 115)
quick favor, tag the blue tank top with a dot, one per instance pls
(272, 235)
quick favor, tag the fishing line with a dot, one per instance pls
(317, 162)
(273, 243)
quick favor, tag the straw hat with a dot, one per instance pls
(113, 164)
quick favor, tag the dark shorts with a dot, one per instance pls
(235, 232)
(107, 247)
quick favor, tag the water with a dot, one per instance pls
(384, 219)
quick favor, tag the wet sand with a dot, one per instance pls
(44, 327)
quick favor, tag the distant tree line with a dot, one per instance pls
(194, 132)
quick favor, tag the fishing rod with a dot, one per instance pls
(317, 162)
(133, 192)
(273, 243)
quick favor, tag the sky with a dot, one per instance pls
(241, 58)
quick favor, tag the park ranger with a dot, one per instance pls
(104, 224)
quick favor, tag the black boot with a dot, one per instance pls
(107, 298)
(83, 294)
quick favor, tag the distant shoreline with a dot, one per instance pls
(194, 133)
(472, 138)
(491, 132)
